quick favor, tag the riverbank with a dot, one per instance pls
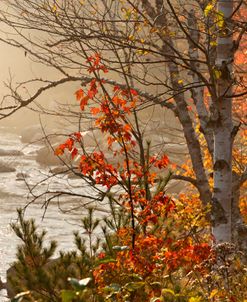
(14, 193)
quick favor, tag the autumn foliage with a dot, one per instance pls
(162, 236)
(156, 247)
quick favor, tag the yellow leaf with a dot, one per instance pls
(142, 52)
(213, 293)
(54, 8)
(167, 291)
(172, 34)
(195, 299)
(220, 21)
(180, 81)
(128, 14)
(213, 43)
(208, 9)
(217, 73)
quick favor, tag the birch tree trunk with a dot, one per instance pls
(239, 228)
(222, 195)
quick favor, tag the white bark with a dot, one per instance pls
(239, 228)
(222, 195)
(198, 92)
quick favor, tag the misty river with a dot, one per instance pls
(60, 220)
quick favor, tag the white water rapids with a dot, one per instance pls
(14, 194)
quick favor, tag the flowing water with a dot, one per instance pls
(14, 194)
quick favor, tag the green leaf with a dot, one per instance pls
(112, 290)
(79, 284)
(136, 277)
(133, 286)
(20, 296)
(168, 291)
(105, 260)
(114, 287)
(68, 295)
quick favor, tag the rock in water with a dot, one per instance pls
(10, 152)
(5, 168)
(31, 134)
(45, 156)
(22, 176)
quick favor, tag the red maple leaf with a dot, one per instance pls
(79, 94)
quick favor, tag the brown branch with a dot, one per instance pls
(191, 180)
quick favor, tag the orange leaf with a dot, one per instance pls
(60, 150)
(92, 92)
(162, 163)
(79, 94)
(69, 143)
(74, 153)
(95, 110)
(118, 101)
(77, 135)
(84, 102)
(127, 127)
(97, 59)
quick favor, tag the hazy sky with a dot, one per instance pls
(13, 61)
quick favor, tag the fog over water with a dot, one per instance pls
(13, 191)
(14, 194)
